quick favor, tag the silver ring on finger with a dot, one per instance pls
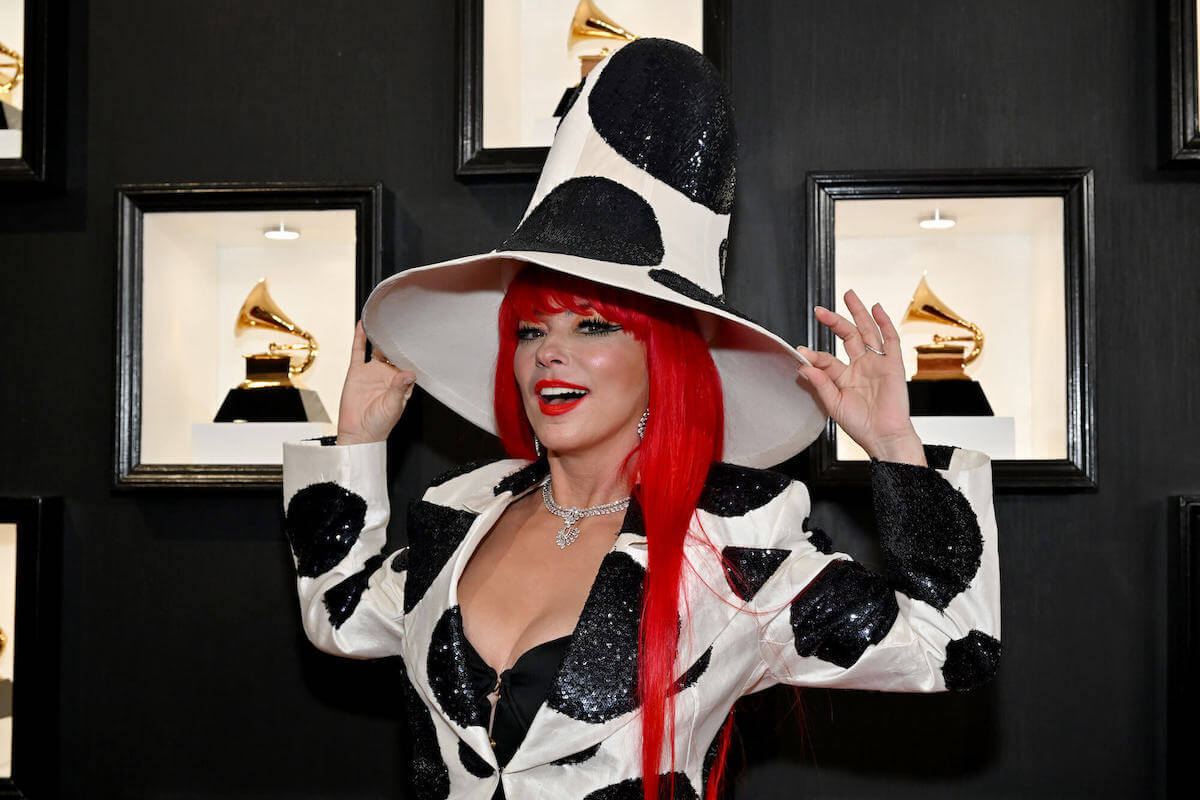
(874, 350)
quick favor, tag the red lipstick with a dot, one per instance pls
(553, 408)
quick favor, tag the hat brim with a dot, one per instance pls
(440, 321)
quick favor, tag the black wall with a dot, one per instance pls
(184, 670)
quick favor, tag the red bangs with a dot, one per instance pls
(540, 292)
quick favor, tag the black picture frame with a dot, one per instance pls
(1183, 85)
(1183, 646)
(1075, 185)
(132, 203)
(39, 522)
(43, 117)
(473, 160)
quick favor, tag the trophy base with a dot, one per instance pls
(271, 404)
(947, 398)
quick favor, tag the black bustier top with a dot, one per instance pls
(522, 690)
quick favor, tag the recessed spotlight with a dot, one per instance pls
(937, 222)
(281, 233)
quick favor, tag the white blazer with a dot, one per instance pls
(777, 607)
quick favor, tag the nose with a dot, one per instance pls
(551, 350)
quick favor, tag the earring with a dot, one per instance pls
(537, 446)
(641, 429)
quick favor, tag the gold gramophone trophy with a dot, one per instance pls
(591, 31)
(940, 386)
(12, 72)
(268, 393)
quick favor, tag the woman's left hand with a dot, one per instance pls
(867, 398)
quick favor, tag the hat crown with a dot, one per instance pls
(642, 168)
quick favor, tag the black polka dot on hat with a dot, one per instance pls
(748, 568)
(693, 291)
(734, 491)
(631, 789)
(434, 533)
(592, 217)
(341, 600)
(662, 106)
(322, 523)
(598, 677)
(842, 612)
(971, 661)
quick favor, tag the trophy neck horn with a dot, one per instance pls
(12, 68)
(928, 307)
(590, 23)
(261, 311)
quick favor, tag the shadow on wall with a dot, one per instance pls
(869, 733)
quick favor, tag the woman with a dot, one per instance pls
(616, 570)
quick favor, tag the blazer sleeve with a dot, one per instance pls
(336, 514)
(930, 622)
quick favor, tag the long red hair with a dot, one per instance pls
(683, 438)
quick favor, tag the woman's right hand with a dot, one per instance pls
(373, 397)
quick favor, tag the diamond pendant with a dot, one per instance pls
(566, 536)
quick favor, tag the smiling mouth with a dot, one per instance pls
(561, 394)
(556, 397)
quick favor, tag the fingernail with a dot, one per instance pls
(408, 381)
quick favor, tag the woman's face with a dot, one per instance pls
(583, 382)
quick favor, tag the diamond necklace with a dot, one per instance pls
(569, 531)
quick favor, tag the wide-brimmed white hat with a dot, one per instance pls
(636, 193)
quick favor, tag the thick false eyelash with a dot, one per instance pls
(526, 332)
(597, 327)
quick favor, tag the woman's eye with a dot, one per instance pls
(597, 326)
(528, 332)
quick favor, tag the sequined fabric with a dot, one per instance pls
(693, 673)
(342, 599)
(971, 661)
(927, 530)
(939, 455)
(427, 772)
(631, 789)
(322, 523)
(733, 491)
(693, 291)
(400, 561)
(662, 105)
(449, 678)
(577, 758)
(460, 470)
(523, 479)
(473, 762)
(722, 254)
(434, 532)
(634, 522)
(598, 678)
(842, 612)
(818, 538)
(592, 217)
(748, 568)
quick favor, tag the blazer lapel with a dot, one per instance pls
(595, 691)
(442, 541)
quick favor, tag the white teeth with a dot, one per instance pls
(551, 392)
